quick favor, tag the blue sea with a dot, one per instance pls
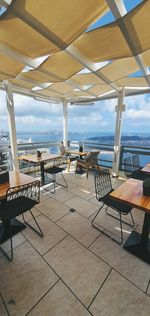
(135, 140)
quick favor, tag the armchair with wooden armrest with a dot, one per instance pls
(90, 160)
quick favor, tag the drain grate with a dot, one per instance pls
(72, 210)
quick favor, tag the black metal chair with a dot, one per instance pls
(57, 168)
(19, 199)
(137, 173)
(128, 167)
(103, 188)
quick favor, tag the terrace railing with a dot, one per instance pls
(105, 157)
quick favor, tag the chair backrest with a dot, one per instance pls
(102, 183)
(92, 157)
(30, 190)
(59, 161)
(135, 162)
(62, 149)
(127, 166)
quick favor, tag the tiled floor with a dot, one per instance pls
(75, 269)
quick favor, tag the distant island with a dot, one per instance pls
(133, 140)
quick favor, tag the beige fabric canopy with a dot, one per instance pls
(71, 65)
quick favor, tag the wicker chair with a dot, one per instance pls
(90, 160)
(19, 199)
(103, 188)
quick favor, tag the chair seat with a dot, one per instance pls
(121, 206)
(139, 175)
(54, 170)
(73, 158)
(16, 207)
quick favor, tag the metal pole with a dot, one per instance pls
(119, 109)
(12, 125)
(65, 123)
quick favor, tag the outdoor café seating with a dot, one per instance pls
(57, 168)
(103, 187)
(89, 161)
(19, 199)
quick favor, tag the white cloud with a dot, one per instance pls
(137, 114)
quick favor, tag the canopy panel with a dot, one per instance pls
(46, 48)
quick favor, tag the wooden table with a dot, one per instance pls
(146, 169)
(131, 192)
(40, 161)
(15, 179)
(77, 152)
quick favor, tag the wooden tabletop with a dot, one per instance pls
(77, 152)
(38, 160)
(131, 192)
(15, 179)
(146, 169)
(81, 153)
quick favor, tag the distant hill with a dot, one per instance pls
(125, 140)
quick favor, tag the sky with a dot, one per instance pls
(37, 116)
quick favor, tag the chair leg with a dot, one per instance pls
(109, 214)
(102, 231)
(10, 258)
(121, 233)
(69, 163)
(63, 185)
(40, 233)
(87, 172)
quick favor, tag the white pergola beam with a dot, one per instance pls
(119, 109)
(5, 49)
(65, 123)
(12, 125)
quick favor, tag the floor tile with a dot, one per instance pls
(119, 297)
(82, 271)
(128, 265)
(62, 195)
(53, 209)
(112, 225)
(17, 240)
(84, 207)
(148, 291)
(52, 235)
(59, 302)
(95, 201)
(3, 311)
(28, 215)
(79, 227)
(84, 192)
(21, 278)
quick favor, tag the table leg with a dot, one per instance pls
(139, 244)
(42, 173)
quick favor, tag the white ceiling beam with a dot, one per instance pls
(118, 10)
(72, 51)
(6, 50)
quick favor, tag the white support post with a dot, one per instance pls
(12, 125)
(119, 109)
(65, 123)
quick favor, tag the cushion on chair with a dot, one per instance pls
(121, 206)
(73, 158)
(54, 170)
(15, 207)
